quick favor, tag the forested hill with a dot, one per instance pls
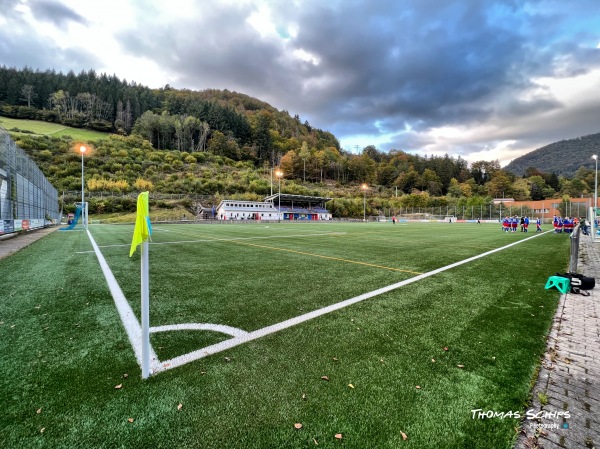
(240, 127)
(563, 157)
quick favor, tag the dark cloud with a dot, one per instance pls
(54, 12)
(33, 51)
(383, 67)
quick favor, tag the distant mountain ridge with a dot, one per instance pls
(563, 157)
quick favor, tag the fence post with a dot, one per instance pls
(574, 255)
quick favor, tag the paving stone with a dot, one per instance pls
(573, 353)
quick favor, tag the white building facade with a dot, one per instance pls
(246, 210)
(275, 207)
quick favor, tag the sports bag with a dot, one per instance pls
(579, 282)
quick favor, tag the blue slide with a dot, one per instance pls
(75, 220)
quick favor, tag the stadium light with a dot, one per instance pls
(279, 174)
(82, 150)
(364, 187)
(594, 230)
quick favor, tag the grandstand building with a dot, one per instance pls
(275, 207)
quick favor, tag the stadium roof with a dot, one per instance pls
(297, 198)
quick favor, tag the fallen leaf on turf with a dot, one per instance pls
(461, 366)
(404, 436)
(125, 376)
(298, 425)
(315, 440)
(227, 359)
(179, 406)
(335, 359)
(418, 387)
(432, 360)
(39, 410)
(202, 373)
(42, 430)
(118, 387)
(445, 348)
(130, 419)
(304, 396)
(339, 436)
(325, 378)
(351, 386)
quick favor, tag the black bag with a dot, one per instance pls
(579, 282)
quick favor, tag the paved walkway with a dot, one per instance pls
(568, 388)
(11, 245)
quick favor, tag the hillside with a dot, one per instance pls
(563, 157)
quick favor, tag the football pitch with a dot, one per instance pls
(384, 335)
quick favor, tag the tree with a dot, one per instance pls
(304, 155)
(538, 187)
(428, 176)
(408, 180)
(362, 169)
(454, 190)
(520, 189)
(500, 185)
(28, 94)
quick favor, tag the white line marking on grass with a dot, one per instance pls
(259, 333)
(233, 331)
(154, 228)
(209, 240)
(130, 322)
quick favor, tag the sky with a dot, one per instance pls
(480, 79)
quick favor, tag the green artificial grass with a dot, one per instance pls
(470, 337)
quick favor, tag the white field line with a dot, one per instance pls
(130, 322)
(259, 333)
(233, 331)
(220, 240)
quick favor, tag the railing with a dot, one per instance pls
(25, 193)
(574, 255)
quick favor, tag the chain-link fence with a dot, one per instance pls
(27, 199)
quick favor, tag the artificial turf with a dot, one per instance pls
(469, 338)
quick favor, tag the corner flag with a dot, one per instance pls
(143, 228)
(141, 233)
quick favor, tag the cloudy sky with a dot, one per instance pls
(480, 79)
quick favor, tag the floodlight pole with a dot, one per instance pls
(82, 150)
(364, 187)
(279, 174)
(594, 227)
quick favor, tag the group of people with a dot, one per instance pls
(568, 224)
(510, 224)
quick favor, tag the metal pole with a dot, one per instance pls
(365, 206)
(594, 230)
(145, 311)
(279, 202)
(82, 149)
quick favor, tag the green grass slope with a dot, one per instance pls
(37, 127)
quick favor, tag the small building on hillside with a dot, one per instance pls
(275, 207)
(246, 210)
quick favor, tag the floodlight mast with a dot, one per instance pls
(82, 150)
(279, 174)
(594, 227)
(364, 187)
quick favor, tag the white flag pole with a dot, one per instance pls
(145, 311)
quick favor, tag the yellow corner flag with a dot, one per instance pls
(143, 228)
